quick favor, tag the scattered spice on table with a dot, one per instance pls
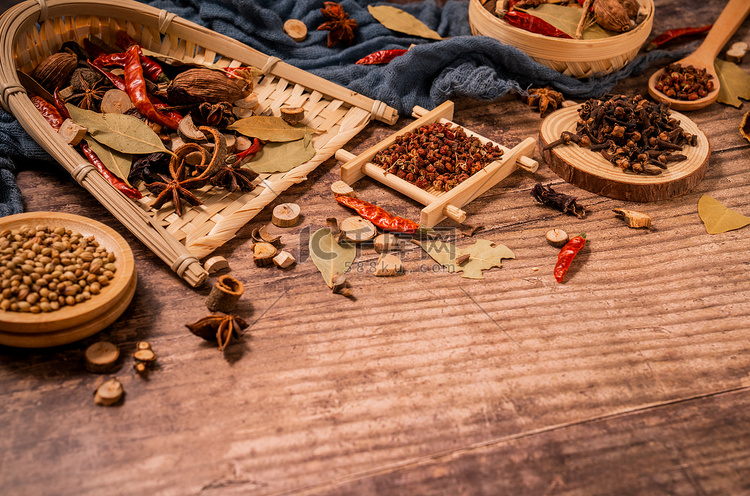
(674, 34)
(559, 201)
(378, 216)
(544, 99)
(566, 256)
(381, 56)
(436, 155)
(340, 26)
(219, 328)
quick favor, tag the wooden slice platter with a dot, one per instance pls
(83, 319)
(590, 171)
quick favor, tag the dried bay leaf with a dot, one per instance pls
(483, 255)
(124, 133)
(269, 128)
(734, 83)
(282, 157)
(402, 22)
(331, 258)
(566, 19)
(718, 218)
(118, 163)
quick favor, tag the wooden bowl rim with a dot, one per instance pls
(537, 45)
(70, 316)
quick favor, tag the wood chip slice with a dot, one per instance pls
(296, 29)
(215, 264)
(285, 215)
(357, 229)
(557, 237)
(386, 242)
(284, 260)
(263, 253)
(101, 357)
(388, 265)
(116, 102)
(341, 188)
(71, 132)
(109, 393)
(292, 115)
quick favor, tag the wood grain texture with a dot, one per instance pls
(632, 377)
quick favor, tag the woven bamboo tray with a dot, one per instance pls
(439, 205)
(576, 58)
(34, 29)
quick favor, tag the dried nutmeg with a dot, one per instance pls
(55, 70)
(611, 15)
(205, 85)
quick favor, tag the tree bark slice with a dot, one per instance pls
(590, 171)
(225, 294)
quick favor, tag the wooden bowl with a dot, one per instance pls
(577, 58)
(71, 323)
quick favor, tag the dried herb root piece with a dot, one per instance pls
(225, 294)
(144, 357)
(635, 219)
(559, 201)
(285, 215)
(101, 357)
(557, 238)
(109, 393)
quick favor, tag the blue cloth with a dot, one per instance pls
(430, 73)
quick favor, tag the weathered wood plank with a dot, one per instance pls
(426, 383)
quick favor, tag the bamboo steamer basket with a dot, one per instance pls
(35, 29)
(576, 58)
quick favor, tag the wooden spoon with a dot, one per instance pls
(729, 20)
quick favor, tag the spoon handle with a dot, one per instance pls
(729, 20)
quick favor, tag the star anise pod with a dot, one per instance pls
(175, 189)
(89, 88)
(545, 99)
(340, 27)
(219, 328)
(218, 115)
(234, 177)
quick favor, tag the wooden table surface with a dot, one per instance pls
(632, 377)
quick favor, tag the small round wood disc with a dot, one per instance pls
(357, 229)
(285, 215)
(296, 29)
(592, 172)
(101, 357)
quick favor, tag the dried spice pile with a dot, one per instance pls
(685, 82)
(43, 269)
(630, 132)
(437, 156)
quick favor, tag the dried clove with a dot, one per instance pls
(630, 132)
(559, 201)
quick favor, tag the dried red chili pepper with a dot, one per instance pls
(151, 68)
(381, 56)
(672, 34)
(254, 148)
(48, 111)
(378, 216)
(566, 256)
(55, 115)
(533, 24)
(136, 89)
